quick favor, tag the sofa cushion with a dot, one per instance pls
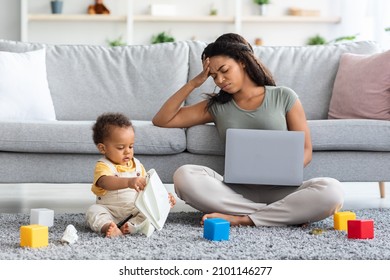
(349, 134)
(204, 139)
(327, 135)
(309, 70)
(86, 81)
(362, 87)
(24, 90)
(75, 137)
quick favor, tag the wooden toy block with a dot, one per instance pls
(216, 229)
(361, 229)
(340, 219)
(34, 236)
(42, 216)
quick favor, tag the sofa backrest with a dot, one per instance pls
(309, 70)
(86, 81)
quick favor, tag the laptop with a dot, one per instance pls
(264, 157)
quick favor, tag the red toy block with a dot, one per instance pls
(361, 229)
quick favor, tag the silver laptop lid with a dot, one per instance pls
(264, 157)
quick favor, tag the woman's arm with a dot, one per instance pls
(173, 114)
(296, 120)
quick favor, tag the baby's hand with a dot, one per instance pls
(172, 200)
(137, 183)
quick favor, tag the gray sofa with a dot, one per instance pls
(86, 81)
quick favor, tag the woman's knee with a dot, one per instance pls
(334, 192)
(181, 179)
(192, 179)
(181, 171)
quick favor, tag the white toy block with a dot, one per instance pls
(42, 216)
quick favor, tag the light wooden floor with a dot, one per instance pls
(76, 198)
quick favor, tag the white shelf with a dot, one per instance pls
(237, 22)
(281, 19)
(149, 18)
(76, 17)
(291, 19)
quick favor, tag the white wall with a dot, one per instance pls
(10, 19)
(271, 33)
(366, 17)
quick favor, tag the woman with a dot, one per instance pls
(248, 99)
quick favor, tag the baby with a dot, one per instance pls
(117, 179)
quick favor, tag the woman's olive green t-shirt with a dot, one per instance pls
(270, 115)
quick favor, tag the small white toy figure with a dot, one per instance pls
(70, 235)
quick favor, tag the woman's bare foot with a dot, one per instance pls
(234, 220)
(111, 230)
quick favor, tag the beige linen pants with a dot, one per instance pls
(114, 206)
(204, 189)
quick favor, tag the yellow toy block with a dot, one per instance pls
(34, 236)
(341, 219)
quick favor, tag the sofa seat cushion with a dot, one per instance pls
(75, 137)
(327, 135)
(350, 134)
(204, 139)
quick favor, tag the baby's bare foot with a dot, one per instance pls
(125, 229)
(113, 230)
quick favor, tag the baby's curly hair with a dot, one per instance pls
(101, 128)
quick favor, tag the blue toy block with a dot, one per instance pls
(216, 229)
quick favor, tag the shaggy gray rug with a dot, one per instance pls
(182, 239)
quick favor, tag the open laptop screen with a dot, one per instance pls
(264, 157)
